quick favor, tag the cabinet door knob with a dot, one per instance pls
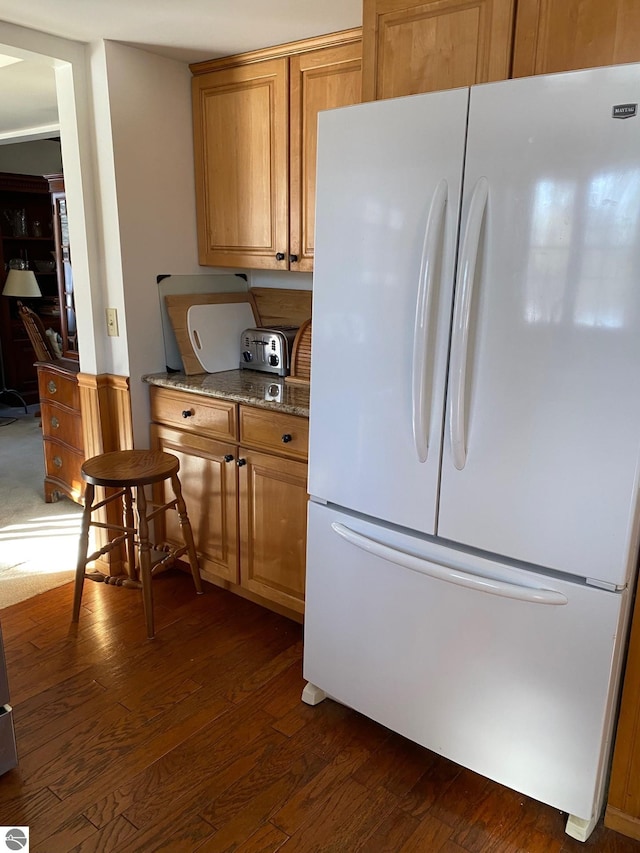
(228, 457)
(187, 413)
(241, 462)
(286, 438)
(279, 256)
(293, 259)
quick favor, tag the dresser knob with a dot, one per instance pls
(57, 461)
(286, 438)
(51, 386)
(55, 423)
(187, 413)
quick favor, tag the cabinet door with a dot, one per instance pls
(241, 165)
(562, 35)
(209, 487)
(273, 527)
(411, 47)
(320, 80)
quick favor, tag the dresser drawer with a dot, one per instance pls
(61, 424)
(63, 464)
(275, 431)
(59, 388)
(194, 413)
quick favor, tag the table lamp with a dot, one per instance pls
(19, 283)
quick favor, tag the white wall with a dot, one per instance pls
(150, 117)
(39, 157)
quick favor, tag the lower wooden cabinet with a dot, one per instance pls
(61, 429)
(246, 492)
(273, 527)
(210, 488)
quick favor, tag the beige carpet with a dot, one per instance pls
(38, 541)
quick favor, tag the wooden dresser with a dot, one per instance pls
(61, 429)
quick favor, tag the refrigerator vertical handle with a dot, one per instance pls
(461, 320)
(428, 265)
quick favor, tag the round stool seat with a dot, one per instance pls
(129, 468)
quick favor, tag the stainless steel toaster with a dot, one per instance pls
(267, 348)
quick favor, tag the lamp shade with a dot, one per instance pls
(21, 283)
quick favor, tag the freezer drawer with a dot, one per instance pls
(517, 690)
(8, 754)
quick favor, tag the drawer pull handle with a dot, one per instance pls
(241, 462)
(55, 423)
(228, 457)
(57, 461)
(286, 438)
(187, 413)
(51, 386)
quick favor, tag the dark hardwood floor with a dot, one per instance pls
(198, 741)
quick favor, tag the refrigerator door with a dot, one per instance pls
(504, 671)
(389, 176)
(542, 444)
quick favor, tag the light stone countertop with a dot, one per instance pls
(264, 390)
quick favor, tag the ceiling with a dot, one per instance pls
(186, 30)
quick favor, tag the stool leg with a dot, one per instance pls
(187, 533)
(145, 559)
(83, 547)
(129, 522)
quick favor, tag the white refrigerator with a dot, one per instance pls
(474, 451)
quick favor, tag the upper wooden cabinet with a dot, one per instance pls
(411, 47)
(562, 35)
(255, 119)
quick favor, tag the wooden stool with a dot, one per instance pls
(127, 470)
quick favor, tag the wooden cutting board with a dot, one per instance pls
(178, 308)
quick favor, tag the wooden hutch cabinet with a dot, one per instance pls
(26, 241)
(64, 271)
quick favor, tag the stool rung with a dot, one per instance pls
(158, 509)
(112, 526)
(106, 548)
(108, 500)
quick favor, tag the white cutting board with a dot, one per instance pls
(214, 332)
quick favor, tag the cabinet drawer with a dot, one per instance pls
(63, 464)
(62, 389)
(61, 424)
(194, 413)
(281, 433)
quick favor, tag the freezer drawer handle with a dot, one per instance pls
(448, 574)
(421, 376)
(461, 321)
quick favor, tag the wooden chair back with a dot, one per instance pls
(37, 335)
